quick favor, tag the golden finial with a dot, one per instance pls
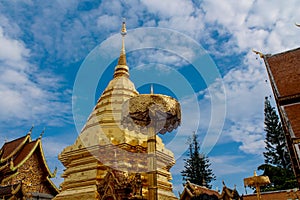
(122, 68)
(259, 53)
(123, 31)
(255, 174)
(122, 59)
(30, 131)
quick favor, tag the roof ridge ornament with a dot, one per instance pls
(259, 53)
(42, 133)
(30, 131)
(53, 174)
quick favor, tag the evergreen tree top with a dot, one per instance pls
(197, 166)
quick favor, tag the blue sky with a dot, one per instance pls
(44, 43)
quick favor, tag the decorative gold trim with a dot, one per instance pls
(27, 157)
(9, 177)
(3, 167)
(51, 175)
(52, 184)
(15, 190)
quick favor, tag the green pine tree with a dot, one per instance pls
(277, 159)
(197, 166)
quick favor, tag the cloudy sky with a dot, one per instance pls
(43, 45)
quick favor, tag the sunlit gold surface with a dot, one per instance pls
(104, 143)
(153, 113)
(257, 181)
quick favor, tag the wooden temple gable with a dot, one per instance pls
(284, 74)
(23, 164)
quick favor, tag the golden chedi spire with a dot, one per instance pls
(122, 68)
(91, 156)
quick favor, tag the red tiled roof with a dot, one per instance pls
(11, 147)
(293, 114)
(285, 70)
(26, 150)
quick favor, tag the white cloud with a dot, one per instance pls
(12, 52)
(169, 8)
(25, 94)
(264, 25)
(245, 91)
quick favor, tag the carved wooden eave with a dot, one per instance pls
(52, 185)
(10, 190)
(9, 177)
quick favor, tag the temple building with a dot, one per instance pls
(195, 192)
(109, 161)
(284, 74)
(24, 173)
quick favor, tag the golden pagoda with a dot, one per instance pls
(108, 161)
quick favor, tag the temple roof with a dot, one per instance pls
(11, 148)
(191, 190)
(284, 71)
(15, 153)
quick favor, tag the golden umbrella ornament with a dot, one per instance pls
(257, 181)
(151, 114)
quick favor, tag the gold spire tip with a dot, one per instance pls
(259, 53)
(123, 30)
(122, 58)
